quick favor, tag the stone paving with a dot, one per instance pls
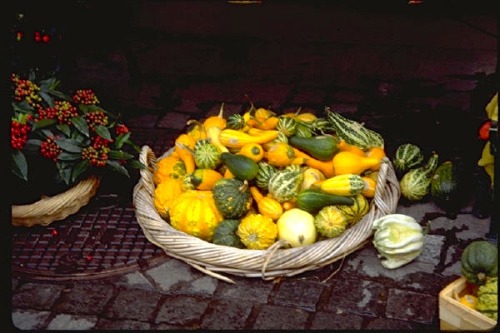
(356, 293)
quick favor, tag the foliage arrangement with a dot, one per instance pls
(69, 131)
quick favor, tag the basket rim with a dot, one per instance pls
(267, 264)
(54, 208)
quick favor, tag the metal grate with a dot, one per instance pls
(95, 242)
(103, 239)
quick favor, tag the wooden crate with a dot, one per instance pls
(454, 316)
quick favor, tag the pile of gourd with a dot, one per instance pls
(252, 179)
(440, 181)
(479, 266)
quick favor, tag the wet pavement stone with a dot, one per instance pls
(224, 315)
(272, 317)
(85, 298)
(181, 311)
(35, 296)
(300, 294)
(134, 304)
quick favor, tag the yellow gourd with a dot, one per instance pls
(375, 152)
(169, 167)
(213, 126)
(195, 213)
(252, 150)
(196, 130)
(469, 301)
(204, 179)
(326, 167)
(370, 186)
(266, 205)
(165, 193)
(311, 176)
(184, 145)
(344, 146)
(257, 231)
(345, 162)
(231, 138)
(280, 154)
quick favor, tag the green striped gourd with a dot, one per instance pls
(415, 184)
(487, 298)
(235, 121)
(406, 157)
(287, 126)
(354, 132)
(285, 184)
(303, 131)
(206, 154)
(266, 171)
(355, 212)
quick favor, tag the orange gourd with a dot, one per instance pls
(266, 205)
(253, 151)
(169, 167)
(326, 167)
(184, 145)
(346, 162)
(370, 186)
(280, 154)
(165, 193)
(344, 146)
(376, 152)
(204, 179)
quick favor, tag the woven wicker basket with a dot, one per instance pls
(276, 261)
(57, 207)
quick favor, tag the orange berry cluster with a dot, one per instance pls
(65, 111)
(96, 118)
(96, 157)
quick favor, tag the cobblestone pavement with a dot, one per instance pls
(355, 293)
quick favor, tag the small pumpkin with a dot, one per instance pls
(257, 231)
(331, 221)
(195, 213)
(169, 167)
(225, 234)
(479, 261)
(165, 193)
(232, 197)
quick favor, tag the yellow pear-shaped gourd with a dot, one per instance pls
(346, 162)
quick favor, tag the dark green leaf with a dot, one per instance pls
(19, 164)
(116, 166)
(103, 132)
(60, 95)
(119, 155)
(79, 169)
(47, 98)
(65, 172)
(69, 145)
(64, 156)
(64, 128)
(121, 139)
(43, 123)
(81, 125)
(136, 164)
(22, 107)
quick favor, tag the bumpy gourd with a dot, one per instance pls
(165, 193)
(257, 232)
(285, 184)
(232, 197)
(398, 239)
(169, 167)
(479, 261)
(357, 210)
(194, 212)
(487, 298)
(225, 234)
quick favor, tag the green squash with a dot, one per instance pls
(415, 184)
(321, 147)
(407, 156)
(265, 173)
(479, 261)
(487, 298)
(206, 155)
(287, 126)
(446, 188)
(225, 234)
(313, 200)
(242, 167)
(232, 197)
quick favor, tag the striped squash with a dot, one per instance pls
(285, 184)
(406, 157)
(354, 132)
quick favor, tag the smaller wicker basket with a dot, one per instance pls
(274, 262)
(57, 207)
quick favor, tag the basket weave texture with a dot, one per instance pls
(275, 261)
(57, 207)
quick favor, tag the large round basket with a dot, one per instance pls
(275, 261)
(57, 207)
